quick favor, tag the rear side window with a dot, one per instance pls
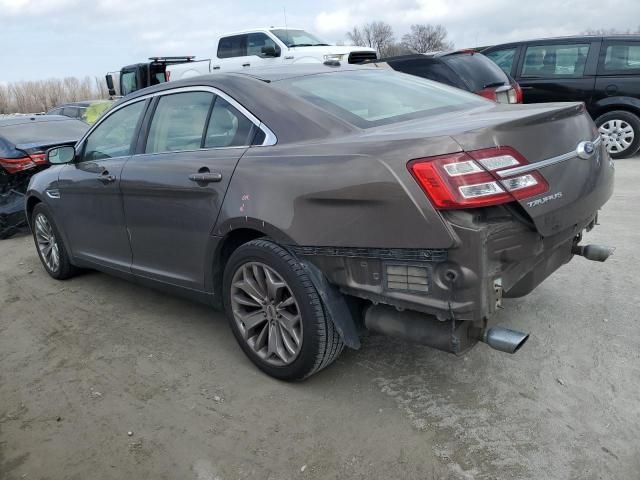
(476, 71)
(622, 58)
(227, 127)
(234, 46)
(503, 58)
(115, 135)
(372, 98)
(129, 82)
(552, 61)
(429, 69)
(178, 122)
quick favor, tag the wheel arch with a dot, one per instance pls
(609, 104)
(30, 204)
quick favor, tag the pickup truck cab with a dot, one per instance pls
(264, 47)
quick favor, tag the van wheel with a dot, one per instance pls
(276, 313)
(620, 131)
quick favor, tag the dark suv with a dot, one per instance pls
(602, 72)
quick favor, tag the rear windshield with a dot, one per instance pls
(476, 70)
(371, 98)
(43, 132)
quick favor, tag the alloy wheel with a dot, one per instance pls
(617, 135)
(266, 313)
(47, 243)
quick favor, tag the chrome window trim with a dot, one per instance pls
(269, 137)
(544, 163)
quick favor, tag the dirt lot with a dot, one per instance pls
(86, 361)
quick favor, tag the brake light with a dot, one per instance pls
(39, 158)
(489, 93)
(516, 96)
(15, 165)
(167, 75)
(472, 179)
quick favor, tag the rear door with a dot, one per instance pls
(557, 71)
(618, 70)
(231, 54)
(173, 189)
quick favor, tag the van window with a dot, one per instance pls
(622, 58)
(503, 58)
(178, 122)
(551, 61)
(234, 46)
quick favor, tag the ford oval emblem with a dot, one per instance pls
(585, 150)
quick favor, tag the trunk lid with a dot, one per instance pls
(550, 136)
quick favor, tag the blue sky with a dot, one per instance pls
(55, 38)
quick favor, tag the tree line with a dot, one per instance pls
(421, 38)
(42, 95)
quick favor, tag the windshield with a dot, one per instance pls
(298, 38)
(44, 132)
(476, 70)
(372, 98)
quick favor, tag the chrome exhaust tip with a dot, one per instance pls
(504, 339)
(596, 253)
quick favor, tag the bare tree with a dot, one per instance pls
(378, 35)
(427, 38)
(42, 95)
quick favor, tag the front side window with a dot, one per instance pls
(228, 127)
(623, 58)
(234, 46)
(178, 122)
(114, 137)
(371, 98)
(503, 58)
(257, 42)
(129, 83)
(551, 61)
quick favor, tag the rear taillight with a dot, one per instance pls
(515, 95)
(489, 93)
(15, 165)
(167, 75)
(471, 179)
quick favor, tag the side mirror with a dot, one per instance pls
(61, 155)
(269, 51)
(112, 90)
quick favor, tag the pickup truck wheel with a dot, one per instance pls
(620, 131)
(48, 240)
(276, 314)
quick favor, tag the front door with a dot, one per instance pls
(556, 73)
(173, 190)
(90, 191)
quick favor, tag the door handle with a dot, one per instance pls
(106, 178)
(205, 177)
(246, 64)
(215, 67)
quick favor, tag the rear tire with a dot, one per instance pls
(276, 314)
(620, 131)
(49, 244)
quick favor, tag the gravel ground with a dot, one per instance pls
(101, 379)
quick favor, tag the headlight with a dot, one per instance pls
(334, 56)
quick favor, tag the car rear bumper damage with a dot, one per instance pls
(458, 289)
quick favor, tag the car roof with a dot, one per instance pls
(436, 54)
(22, 119)
(568, 37)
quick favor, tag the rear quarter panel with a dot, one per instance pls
(345, 193)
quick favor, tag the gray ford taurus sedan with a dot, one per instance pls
(313, 203)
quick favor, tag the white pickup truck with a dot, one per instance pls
(265, 47)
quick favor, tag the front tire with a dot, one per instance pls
(276, 314)
(620, 131)
(49, 244)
